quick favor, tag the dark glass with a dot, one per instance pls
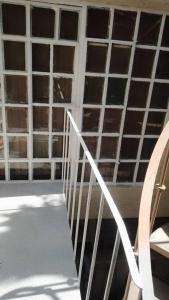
(17, 146)
(91, 119)
(63, 59)
(87, 172)
(160, 95)
(58, 171)
(40, 146)
(129, 148)
(40, 89)
(91, 143)
(62, 90)
(14, 19)
(16, 89)
(147, 148)
(14, 55)
(125, 172)
(133, 122)
(93, 90)
(138, 93)
(116, 91)
(18, 171)
(96, 57)
(107, 170)
(162, 71)
(2, 171)
(1, 148)
(57, 146)
(143, 63)
(97, 23)
(123, 25)
(155, 122)
(57, 119)
(149, 28)
(112, 120)
(120, 58)
(108, 147)
(141, 172)
(40, 119)
(43, 21)
(165, 38)
(40, 57)
(41, 171)
(16, 119)
(69, 25)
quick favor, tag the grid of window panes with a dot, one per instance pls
(126, 89)
(38, 62)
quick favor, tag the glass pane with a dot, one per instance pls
(91, 143)
(106, 170)
(124, 25)
(148, 146)
(143, 63)
(165, 39)
(57, 119)
(69, 25)
(96, 57)
(2, 171)
(125, 172)
(40, 57)
(120, 58)
(1, 148)
(57, 146)
(16, 89)
(91, 119)
(16, 119)
(93, 90)
(141, 172)
(129, 148)
(14, 19)
(160, 95)
(155, 122)
(41, 171)
(149, 28)
(14, 55)
(138, 93)
(17, 146)
(108, 147)
(41, 89)
(18, 171)
(116, 91)
(97, 23)
(40, 146)
(40, 118)
(112, 120)
(43, 21)
(162, 66)
(87, 172)
(1, 122)
(133, 122)
(63, 59)
(62, 90)
(58, 171)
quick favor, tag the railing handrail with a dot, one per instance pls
(145, 214)
(119, 221)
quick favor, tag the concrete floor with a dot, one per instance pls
(36, 257)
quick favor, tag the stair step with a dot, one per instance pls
(159, 240)
(161, 290)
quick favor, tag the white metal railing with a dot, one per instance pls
(72, 142)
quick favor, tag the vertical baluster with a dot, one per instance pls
(86, 223)
(97, 234)
(68, 164)
(79, 206)
(65, 154)
(112, 266)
